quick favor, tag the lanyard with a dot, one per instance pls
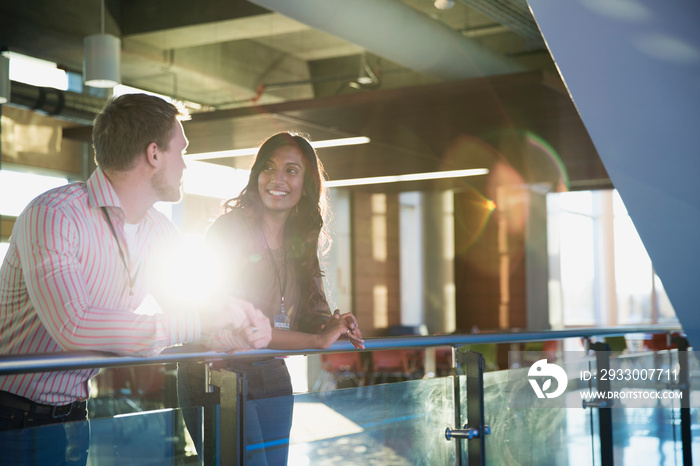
(282, 284)
(132, 279)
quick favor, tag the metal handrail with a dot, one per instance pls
(26, 363)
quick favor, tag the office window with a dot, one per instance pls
(572, 253)
(18, 188)
(633, 272)
(3, 249)
(600, 272)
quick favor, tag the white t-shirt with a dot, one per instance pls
(130, 230)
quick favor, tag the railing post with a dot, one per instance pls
(170, 398)
(458, 399)
(605, 429)
(475, 430)
(230, 425)
(684, 386)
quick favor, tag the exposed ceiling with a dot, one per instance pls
(466, 87)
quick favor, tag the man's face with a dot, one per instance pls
(167, 182)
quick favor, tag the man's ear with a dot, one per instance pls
(153, 155)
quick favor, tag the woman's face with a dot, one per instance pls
(281, 181)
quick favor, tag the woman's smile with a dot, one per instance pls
(281, 181)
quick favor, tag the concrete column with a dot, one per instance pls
(438, 262)
(536, 261)
(411, 258)
(337, 264)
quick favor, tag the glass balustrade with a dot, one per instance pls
(137, 438)
(405, 422)
(645, 423)
(399, 423)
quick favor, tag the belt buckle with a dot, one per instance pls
(54, 415)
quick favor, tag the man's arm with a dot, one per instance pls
(48, 245)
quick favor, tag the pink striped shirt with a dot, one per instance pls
(64, 287)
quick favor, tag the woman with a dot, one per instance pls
(268, 243)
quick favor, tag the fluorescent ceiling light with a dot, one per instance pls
(341, 142)
(207, 179)
(410, 177)
(221, 154)
(36, 72)
(254, 150)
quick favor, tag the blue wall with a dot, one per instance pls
(632, 68)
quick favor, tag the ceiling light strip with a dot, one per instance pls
(341, 142)
(254, 150)
(409, 177)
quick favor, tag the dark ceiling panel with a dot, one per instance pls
(138, 16)
(522, 120)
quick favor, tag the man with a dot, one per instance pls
(82, 259)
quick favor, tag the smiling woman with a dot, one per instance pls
(268, 247)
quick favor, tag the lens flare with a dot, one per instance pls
(533, 159)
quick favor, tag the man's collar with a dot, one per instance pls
(100, 191)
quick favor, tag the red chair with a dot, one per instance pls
(340, 367)
(397, 364)
(443, 361)
(661, 341)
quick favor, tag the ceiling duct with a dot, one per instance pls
(64, 105)
(399, 33)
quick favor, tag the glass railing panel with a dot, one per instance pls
(643, 395)
(694, 363)
(646, 416)
(139, 438)
(65, 443)
(524, 434)
(399, 423)
(647, 436)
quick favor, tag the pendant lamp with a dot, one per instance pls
(101, 59)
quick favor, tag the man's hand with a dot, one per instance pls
(232, 313)
(235, 326)
(259, 332)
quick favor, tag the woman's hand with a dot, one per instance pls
(342, 326)
(353, 334)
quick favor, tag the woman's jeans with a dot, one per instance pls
(267, 411)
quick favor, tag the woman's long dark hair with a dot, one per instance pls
(305, 224)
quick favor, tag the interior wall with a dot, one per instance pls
(632, 70)
(376, 282)
(35, 140)
(490, 260)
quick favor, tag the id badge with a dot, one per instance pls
(281, 321)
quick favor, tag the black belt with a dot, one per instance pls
(246, 362)
(23, 404)
(252, 362)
